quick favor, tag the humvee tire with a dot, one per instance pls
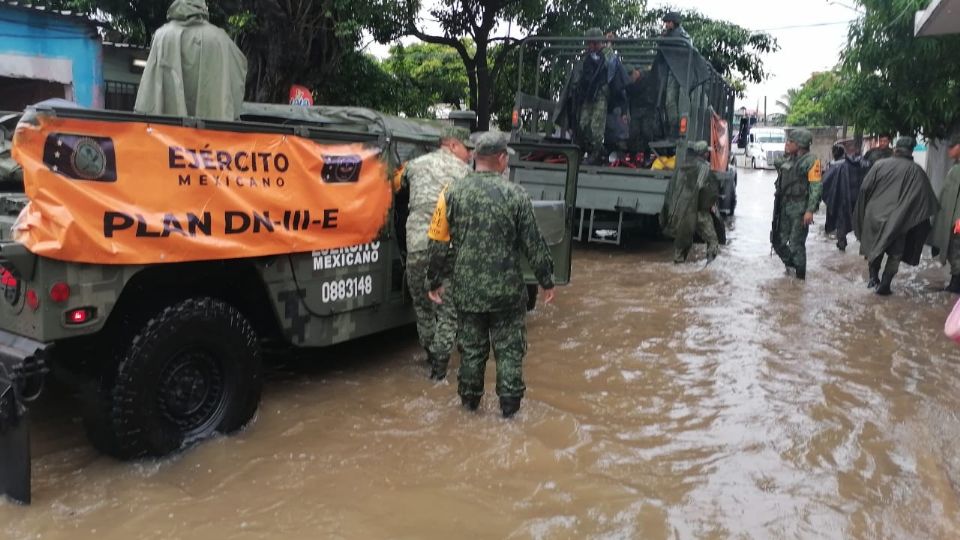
(192, 371)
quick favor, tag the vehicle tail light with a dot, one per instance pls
(10, 286)
(33, 300)
(60, 292)
(81, 315)
(683, 125)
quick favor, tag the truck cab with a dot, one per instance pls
(765, 146)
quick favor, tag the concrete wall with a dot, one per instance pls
(30, 34)
(117, 61)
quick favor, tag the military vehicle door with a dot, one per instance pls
(554, 208)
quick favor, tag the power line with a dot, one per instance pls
(814, 25)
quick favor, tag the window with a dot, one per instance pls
(120, 96)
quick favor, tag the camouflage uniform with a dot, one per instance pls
(798, 191)
(492, 224)
(605, 93)
(426, 177)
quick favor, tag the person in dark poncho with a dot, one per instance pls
(841, 186)
(944, 238)
(893, 214)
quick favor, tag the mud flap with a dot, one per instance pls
(14, 442)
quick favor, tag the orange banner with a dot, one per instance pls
(719, 144)
(133, 193)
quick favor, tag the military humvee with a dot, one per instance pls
(168, 353)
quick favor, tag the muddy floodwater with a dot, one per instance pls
(663, 402)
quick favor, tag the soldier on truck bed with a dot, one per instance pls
(596, 88)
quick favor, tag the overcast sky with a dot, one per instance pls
(811, 34)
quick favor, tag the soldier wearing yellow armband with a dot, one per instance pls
(483, 227)
(797, 198)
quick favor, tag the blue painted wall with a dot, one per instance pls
(34, 33)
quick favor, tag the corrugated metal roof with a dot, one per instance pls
(42, 7)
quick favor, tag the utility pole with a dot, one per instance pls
(764, 109)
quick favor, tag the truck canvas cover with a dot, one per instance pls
(138, 192)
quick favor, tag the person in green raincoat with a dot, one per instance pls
(686, 212)
(194, 68)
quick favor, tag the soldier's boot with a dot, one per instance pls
(874, 274)
(712, 252)
(954, 285)
(680, 255)
(842, 243)
(471, 402)
(438, 368)
(884, 288)
(802, 272)
(509, 406)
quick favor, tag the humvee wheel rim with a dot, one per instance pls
(192, 392)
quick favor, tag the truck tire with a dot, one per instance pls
(532, 291)
(730, 194)
(192, 371)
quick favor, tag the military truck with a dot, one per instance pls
(618, 195)
(159, 314)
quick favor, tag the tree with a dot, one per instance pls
(894, 81)
(734, 51)
(491, 26)
(285, 41)
(813, 104)
(431, 74)
(787, 100)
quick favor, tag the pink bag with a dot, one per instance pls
(952, 327)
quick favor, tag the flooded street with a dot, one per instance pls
(663, 402)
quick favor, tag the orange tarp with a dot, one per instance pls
(719, 144)
(133, 193)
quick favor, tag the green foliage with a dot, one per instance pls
(894, 81)
(734, 51)
(431, 73)
(488, 24)
(813, 104)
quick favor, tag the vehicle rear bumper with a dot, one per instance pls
(23, 367)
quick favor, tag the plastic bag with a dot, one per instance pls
(952, 327)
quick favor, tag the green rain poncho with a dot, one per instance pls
(194, 68)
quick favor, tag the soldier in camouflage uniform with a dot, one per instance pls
(426, 177)
(797, 198)
(601, 82)
(491, 224)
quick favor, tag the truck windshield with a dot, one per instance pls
(771, 138)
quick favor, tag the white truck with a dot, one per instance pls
(765, 146)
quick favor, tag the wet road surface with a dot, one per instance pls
(663, 402)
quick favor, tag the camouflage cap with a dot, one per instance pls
(491, 143)
(672, 16)
(700, 147)
(954, 140)
(594, 33)
(458, 133)
(801, 136)
(905, 144)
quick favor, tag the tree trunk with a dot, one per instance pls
(484, 87)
